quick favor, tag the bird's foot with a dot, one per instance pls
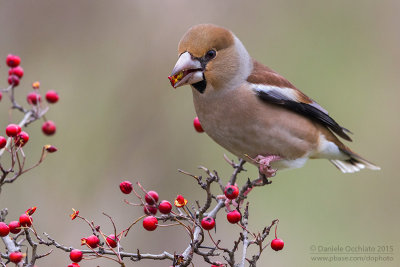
(265, 165)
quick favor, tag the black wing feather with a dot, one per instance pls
(307, 110)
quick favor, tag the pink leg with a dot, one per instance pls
(265, 164)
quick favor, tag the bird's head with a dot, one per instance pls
(209, 55)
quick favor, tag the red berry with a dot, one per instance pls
(126, 187)
(49, 128)
(111, 241)
(92, 241)
(74, 264)
(1, 95)
(165, 207)
(75, 255)
(150, 223)
(33, 98)
(25, 220)
(277, 244)
(4, 229)
(151, 197)
(19, 71)
(21, 139)
(50, 148)
(208, 223)
(14, 227)
(150, 209)
(13, 130)
(52, 96)
(15, 257)
(231, 191)
(3, 142)
(197, 125)
(233, 216)
(13, 80)
(13, 60)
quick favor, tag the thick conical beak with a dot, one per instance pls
(187, 70)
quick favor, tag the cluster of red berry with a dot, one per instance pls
(14, 227)
(150, 207)
(15, 74)
(20, 137)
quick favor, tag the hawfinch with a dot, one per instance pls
(254, 112)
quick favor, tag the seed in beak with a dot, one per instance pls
(175, 78)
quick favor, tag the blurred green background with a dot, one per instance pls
(118, 118)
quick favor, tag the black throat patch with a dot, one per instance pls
(200, 86)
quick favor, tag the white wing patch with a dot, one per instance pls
(284, 93)
(287, 93)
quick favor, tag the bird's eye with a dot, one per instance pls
(210, 54)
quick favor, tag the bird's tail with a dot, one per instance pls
(354, 164)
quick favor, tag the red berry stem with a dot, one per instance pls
(114, 227)
(216, 244)
(151, 197)
(245, 229)
(276, 227)
(170, 224)
(135, 222)
(185, 226)
(138, 196)
(133, 204)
